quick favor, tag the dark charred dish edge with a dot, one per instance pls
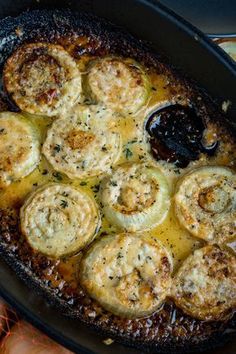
(47, 26)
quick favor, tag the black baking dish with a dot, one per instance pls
(164, 31)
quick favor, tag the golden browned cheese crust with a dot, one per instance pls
(128, 274)
(205, 203)
(19, 148)
(42, 79)
(205, 285)
(119, 83)
(58, 220)
(136, 197)
(81, 144)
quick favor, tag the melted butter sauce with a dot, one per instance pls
(174, 237)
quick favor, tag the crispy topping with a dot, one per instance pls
(79, 139)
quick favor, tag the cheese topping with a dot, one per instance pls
(42, 78)
(136, 197)
(82, 144)
(205, 203)
(119, 83)
(58, 220)
(19, 148)
(128, 274)
(205, 285)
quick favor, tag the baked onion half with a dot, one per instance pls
(205, 203)
(82, 144)
(128, 274)
(59, 220)
(119, 83)
(205, 285)
(19, 148)
(42, 78)
(136, 197)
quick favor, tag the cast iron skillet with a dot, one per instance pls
(212, 70)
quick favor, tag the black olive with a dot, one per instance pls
(176, 134)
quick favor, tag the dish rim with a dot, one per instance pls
(32, 316)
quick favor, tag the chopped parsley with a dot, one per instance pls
(64, 204)
(148, 258)
(132, 141)
(57, 148)
(57, 175)
(119, 255)
(45, 172)
(83, 183)
(113, 183)
(128, 153)
(96, 188)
